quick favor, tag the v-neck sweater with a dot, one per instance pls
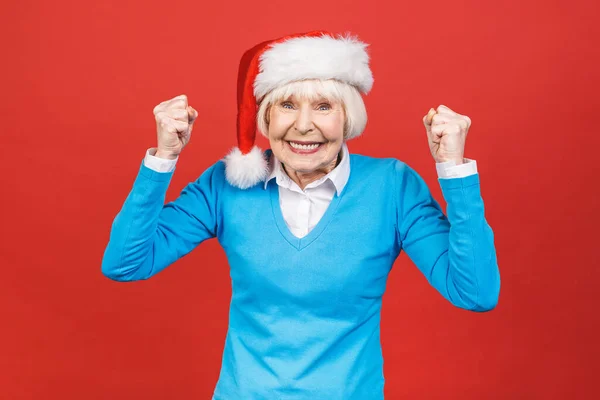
(304, 319)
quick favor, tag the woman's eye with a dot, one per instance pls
(287, 105)
(324, 107)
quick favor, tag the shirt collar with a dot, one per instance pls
(338, 176)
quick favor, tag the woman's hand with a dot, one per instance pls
(446, 134)
(174, 122)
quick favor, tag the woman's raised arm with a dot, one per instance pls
(455, 253)
(148, 235)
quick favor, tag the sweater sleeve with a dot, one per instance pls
(147, 235)
(456, 253)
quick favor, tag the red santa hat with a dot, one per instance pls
(268, 65)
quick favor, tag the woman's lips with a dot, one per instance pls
(304, 151)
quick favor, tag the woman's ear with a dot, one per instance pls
(346, 125)
(268, 115)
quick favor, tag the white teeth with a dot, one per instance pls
(304, 146)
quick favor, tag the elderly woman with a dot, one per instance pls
(310, 231)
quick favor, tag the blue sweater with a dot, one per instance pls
(304, 318)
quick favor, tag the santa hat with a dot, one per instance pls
(268, 65)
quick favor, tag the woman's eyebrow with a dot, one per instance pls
(319, 99)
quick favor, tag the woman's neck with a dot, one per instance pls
(303, 179)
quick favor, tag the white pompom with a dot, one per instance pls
(245, 170)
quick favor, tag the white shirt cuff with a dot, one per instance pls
(159, 164)
(449, 169)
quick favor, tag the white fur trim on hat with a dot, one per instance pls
(324, 57)
(245, 170)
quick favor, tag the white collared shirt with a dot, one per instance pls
(302, 209)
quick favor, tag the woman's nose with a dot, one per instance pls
(304, 132)
(304, 122)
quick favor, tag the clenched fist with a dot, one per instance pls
(446, 133)
(174, 122)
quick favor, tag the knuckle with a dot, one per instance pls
(160, 106)
(177, 104)
(175, 114)
(183, 98)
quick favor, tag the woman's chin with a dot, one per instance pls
(303, 166)
(303, 160)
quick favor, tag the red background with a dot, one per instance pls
(79, 82)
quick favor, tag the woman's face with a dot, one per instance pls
(306, 136)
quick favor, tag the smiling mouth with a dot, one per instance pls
(304, 145)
